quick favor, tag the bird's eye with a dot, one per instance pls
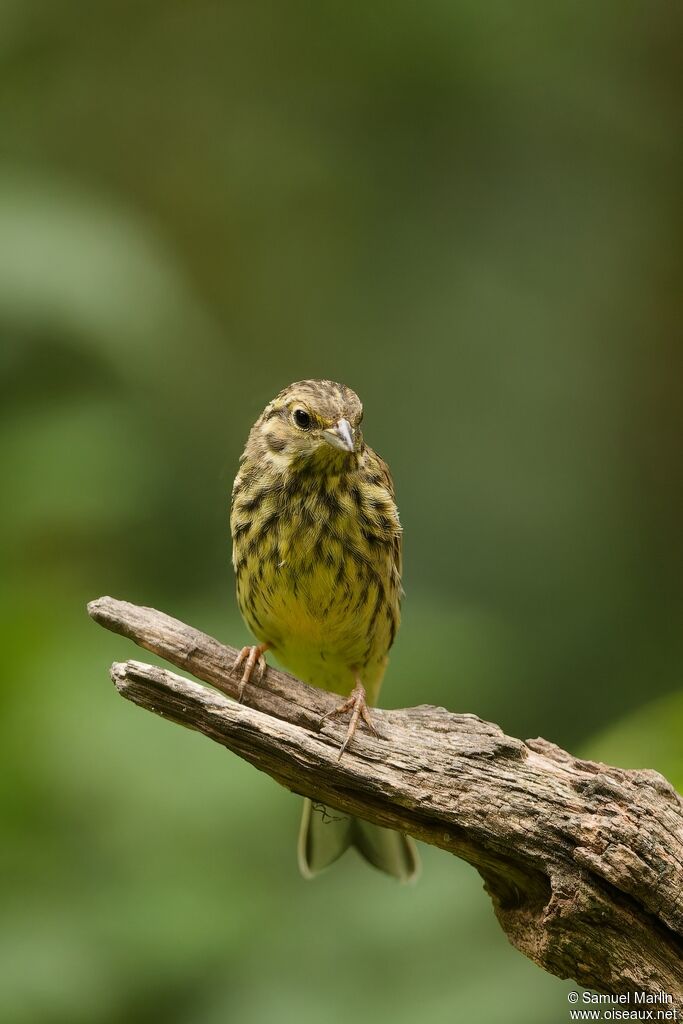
(302, 419)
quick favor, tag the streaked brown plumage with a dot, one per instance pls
(317, 554)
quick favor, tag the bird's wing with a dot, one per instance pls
(381, 473)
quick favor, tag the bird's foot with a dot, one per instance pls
(356, 703)
(252, 657)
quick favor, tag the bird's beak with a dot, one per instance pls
(340, 436)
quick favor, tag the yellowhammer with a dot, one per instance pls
(317, 556)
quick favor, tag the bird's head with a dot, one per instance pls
(311, 424)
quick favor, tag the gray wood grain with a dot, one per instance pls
(583, 862)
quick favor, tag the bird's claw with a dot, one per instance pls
(253, 658)
(356, 703)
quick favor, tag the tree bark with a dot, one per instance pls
(583, 862)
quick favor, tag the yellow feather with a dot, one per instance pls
(317, 556)
(317, 547)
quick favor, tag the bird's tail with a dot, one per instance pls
(325, 834)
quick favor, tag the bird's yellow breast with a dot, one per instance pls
(317, 567)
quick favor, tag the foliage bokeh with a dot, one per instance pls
(466, 212)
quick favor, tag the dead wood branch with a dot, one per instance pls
(583, 861)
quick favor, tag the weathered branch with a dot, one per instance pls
(583, 862)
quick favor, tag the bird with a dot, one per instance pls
(317, 556)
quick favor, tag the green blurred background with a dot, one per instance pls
(470, 214)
